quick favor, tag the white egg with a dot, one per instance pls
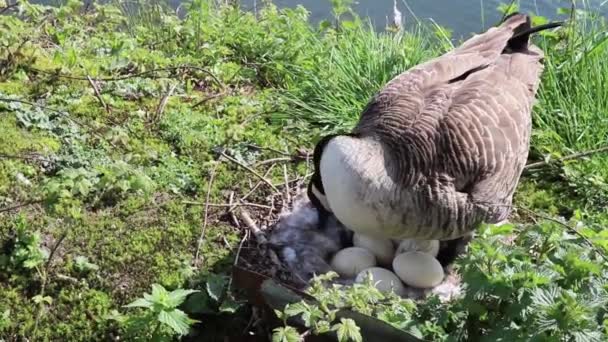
(383, 279)
(382, 249)
(418, 269)
(352, 260)
(412, 245)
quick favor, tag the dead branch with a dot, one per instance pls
(34, 158)
(141, 74)
(569, 228)
(257, 184)
(255, 173)
(18, 206)
(8, 7)
(257, 147)
(207, 98)
(205, 215)
(274, 160)
(54, 249)
(229, 205)
(578, 155)
(98, 94)
(250, 223)
(231, 210)
(163, 103)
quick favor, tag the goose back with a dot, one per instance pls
(458, 129)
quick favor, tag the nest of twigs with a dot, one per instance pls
(282, 239)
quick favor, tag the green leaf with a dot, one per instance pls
(229, 305)
(176, 297)
(38, 299)
(177, 320)
(140, 303)
(347, 330)
(215, 286)
(285, 334)
(199, 303)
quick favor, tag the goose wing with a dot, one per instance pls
(460, 126)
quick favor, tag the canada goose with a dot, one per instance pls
(440, 149)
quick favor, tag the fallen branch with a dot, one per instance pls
(205, 215)
(17, 206)
(163, 103)
(255, 173)
(8, 7)
(578, 155)
(274, 160)
(98, 94)
(229, 205)
(250, 223)
(259, 235)
(210, 97)
(34, 158)
(231, 210)
(141, 74)
(569, 228)
(257, 147)
(255, 187)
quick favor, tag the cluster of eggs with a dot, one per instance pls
(413, 262)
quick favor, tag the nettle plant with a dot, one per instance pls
(23, 252)
(161, 320)
(168, 314)
(538, 282)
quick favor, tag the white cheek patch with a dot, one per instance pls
(321, 198)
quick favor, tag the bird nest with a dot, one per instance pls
(290, 248)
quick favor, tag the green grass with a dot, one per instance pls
(123, 187)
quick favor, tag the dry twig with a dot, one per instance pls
(569, 228)
(231, 210)
(257, 147)
(254, 188)
(206, 213)
(274, 160)
(163, 103)
(255, 173)
(98, 94)
(17, 206)
(207, 98)
(229, 205)
(8, 7)
(141, 74)
(568, 157)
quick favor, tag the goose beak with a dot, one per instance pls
(318, 199)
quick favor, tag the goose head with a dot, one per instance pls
(351, 181)
(316, 191)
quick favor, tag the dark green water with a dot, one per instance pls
(463, 17)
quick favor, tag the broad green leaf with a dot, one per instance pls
(177, 320)
(140, 303)
(229, 305)
(347, 330)
(176, 297)
(159, 294)
(285, 334)
(215, 286)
